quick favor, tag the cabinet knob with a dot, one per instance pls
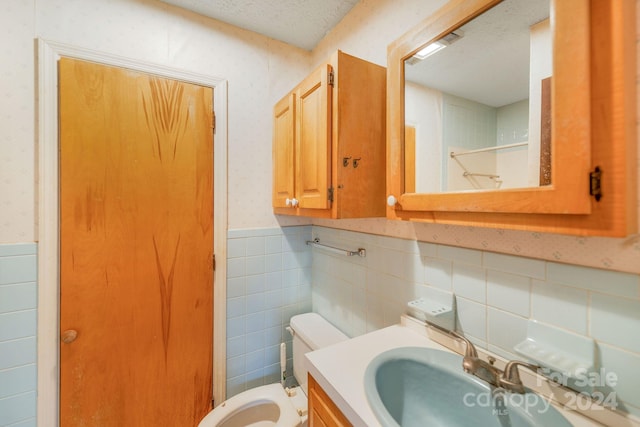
(69, 336)
(294, 202)
(391, 201)
(288, 201)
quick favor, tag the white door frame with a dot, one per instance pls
(48, 366)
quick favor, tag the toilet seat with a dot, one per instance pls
(272, 405)
(263, 406)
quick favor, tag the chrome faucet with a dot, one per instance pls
(509, 379)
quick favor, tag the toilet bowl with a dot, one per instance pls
(267, 405)
(273, 405)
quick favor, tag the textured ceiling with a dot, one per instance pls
(490, 63)
(301, 23)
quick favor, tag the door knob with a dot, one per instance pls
(69, 336)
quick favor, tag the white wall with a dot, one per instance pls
(468, 125)
(513, 127)
(17, 162)
(477, 163)
(259, 71)
(423, 111)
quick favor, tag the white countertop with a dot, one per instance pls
(339, 369)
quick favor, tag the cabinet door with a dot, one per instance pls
(283, 151)
(322, 411)
(313, 140)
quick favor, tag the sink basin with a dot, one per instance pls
(417, 386)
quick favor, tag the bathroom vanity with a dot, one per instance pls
(339, 373)
(322, 410)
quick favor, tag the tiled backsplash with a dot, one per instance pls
(496, 294)
(268, 281)
(18, 302)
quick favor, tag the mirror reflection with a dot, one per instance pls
(477, 104)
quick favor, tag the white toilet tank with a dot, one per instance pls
(310, 332)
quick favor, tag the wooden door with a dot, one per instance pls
(136, 247)
(283, 151)
(313, 140)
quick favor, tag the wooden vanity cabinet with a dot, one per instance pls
(322, 411)
(329, 142)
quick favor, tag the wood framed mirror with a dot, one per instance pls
(590, 106)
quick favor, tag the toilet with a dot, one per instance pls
(273, 405)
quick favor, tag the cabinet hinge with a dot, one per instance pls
(213, 120)
(331, 78)
(595, 183)
(213, 262)
(330, 194)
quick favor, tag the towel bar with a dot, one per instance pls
(361, 252)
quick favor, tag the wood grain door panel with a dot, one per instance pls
(136, 233)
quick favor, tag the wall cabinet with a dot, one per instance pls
(329, 142)
(593, 142)
(322, 411)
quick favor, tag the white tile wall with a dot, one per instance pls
(470, 281)
(268, 281)
(496, 294)
(509, 292)
(18, 302)
(615, 321)
(560, 305)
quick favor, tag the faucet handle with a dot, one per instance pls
(470, 350)
(511, 377)
(470, 359)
